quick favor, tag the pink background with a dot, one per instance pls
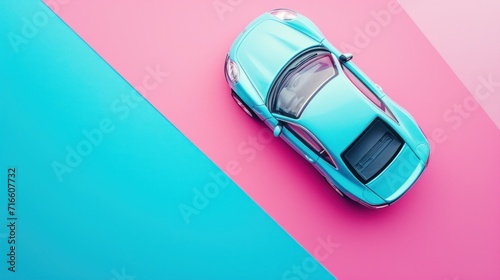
(446, 227)
(468, 38)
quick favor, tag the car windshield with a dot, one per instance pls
(301, 83)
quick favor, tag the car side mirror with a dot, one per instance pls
(277, 130)
(345, 57)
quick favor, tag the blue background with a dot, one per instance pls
(115, 213)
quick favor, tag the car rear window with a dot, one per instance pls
(372, 151)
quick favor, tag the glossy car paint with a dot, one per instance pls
(336, 115)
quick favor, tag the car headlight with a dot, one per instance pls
(284, 14)
(232, 71)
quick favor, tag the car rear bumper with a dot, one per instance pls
(398, 177)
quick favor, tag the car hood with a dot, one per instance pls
(398, 177)
(266, 49)
(338, 114)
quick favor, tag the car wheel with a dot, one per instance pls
(336, 189)
(242, 105)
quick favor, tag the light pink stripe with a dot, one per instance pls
(467, 35)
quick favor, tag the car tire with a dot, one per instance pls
(243, 106)
(336, 189)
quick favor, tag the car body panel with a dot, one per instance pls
(264, 51)
(347, 183)
(398, 177)
(409, 130)
(336, 115)
(298, 146)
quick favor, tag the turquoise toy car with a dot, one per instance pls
(283, 71)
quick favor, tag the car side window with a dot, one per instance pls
(324, 155)
(310, 142)
(363, 88)
(304, 136)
